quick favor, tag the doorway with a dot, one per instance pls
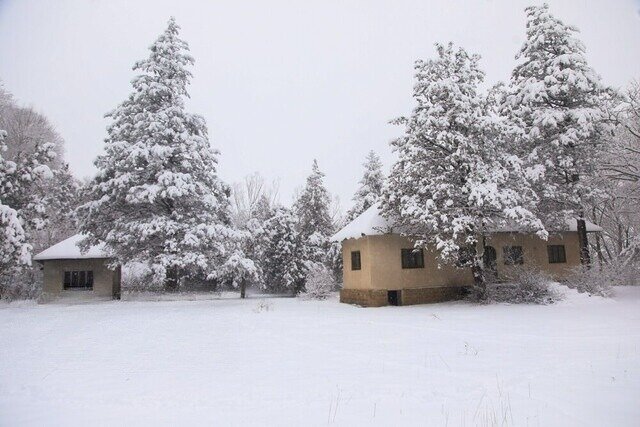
(490, 260)
(393, 297)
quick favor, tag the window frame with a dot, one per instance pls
(557, 254)
(77, 279)
(508, 256)
(412, 258)
(356, 256)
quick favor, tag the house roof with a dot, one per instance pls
(68, 249)
(371, 223)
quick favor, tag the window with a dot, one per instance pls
(465, 257)
(513, 255)
(557, 255)
(412, 258)
(355, 260)
(78, 279)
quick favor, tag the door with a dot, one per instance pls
(490, 260)
(393, 297)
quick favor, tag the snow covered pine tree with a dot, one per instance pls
(282, 253)
(14, 250)
(314, 220)
(370, 186)
(22, 209)
(157, 197)
(452, 181)
(556, 101)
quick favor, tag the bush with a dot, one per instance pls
(600, 280)
(138, 277)
(523, 285)
(26, 284)
(320, 282)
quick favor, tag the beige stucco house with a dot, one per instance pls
(381, 267)
(68, 272)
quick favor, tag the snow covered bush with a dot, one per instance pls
(320, 282)
(599, 280)
(23, 284)
(523, 285)
(138, 277)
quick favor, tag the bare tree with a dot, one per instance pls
(247, 195)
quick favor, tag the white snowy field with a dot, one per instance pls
(232, 362)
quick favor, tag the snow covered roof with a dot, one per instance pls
(368, 223)
(371, 223)
(68, 249)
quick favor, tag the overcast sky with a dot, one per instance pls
(279, 82)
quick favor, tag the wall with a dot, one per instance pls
(357, 279)
(382, 267)
(535, 252)
(104, 280)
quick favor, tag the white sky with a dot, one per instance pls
(279, 82)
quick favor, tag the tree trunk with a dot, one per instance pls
(585, 257)
(171, 281)
(477, 269)
(243, 286)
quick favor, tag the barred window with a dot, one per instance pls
(355, 260)
(412, 258)
(78, 279)
(557, 254)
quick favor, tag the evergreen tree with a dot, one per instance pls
(22, 208)
(314, 220)
(283, 253)
(312, 207)
(239, 271)
(370, 186)
(157, 197)
(452, 182)
(60, 197)
(556, 103)
(14, 249)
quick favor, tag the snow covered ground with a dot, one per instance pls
(294, 362)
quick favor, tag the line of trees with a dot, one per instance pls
(553, 143)
(157, 198)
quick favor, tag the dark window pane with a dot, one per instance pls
(412, 258)
(513, 255)
(355, 260)
(90, 278)
(83, 279)
(74, 278)
(557, 254)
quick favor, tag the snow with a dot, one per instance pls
(286, 361)
(371, 223)
(68, 249)
(368, 223)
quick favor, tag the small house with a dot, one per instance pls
(69, 272)
(382, 267)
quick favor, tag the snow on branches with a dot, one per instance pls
(453, 181)
(157, 197)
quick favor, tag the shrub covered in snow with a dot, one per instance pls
(320, 282)
(599, 280)
(523, 285)
(25, 284)
(138, 277)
